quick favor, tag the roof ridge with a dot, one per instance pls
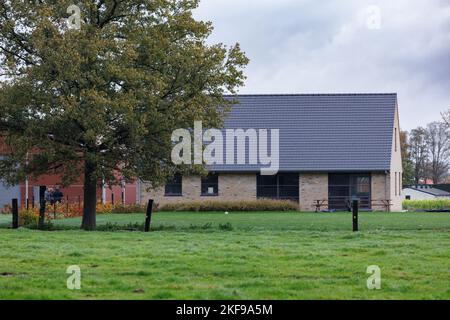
(309, 94)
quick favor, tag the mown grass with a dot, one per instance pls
(263, 256)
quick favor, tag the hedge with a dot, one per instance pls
(232, 206)
(413, 205)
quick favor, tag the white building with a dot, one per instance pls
(424, 192)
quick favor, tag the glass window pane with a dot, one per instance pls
(339, 179)
(342, 187)
(210, 185)
(281, 186)
(267, 180)
(289, 179)
(174, 186)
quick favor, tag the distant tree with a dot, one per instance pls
(408, 170)
(446, 117)
(439, 149)
(98, 88)
(418, 151)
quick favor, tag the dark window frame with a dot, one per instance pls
(396, 146)
(277, 189)
(174, 187)
(210, 181)
(342, 187)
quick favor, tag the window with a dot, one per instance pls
(174, 186)
(210, 185)
(396, 184)
(283, 186)
(342, 187)
(395, 139)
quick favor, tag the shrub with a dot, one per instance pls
(232, 206)
(413, 205)
(73, 210)
(6, 209)
(131, 208)
(28, 218)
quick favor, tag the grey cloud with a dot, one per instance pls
(299, 46)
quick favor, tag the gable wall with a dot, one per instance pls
(396, 172)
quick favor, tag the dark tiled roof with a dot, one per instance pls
(431, 190)
(321, 132)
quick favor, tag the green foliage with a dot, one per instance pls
(441, 204)
(407, 163)
(232, 206)
(28, 218)
(128, 208)
(419, 153)
(106, 98)
(226, 226)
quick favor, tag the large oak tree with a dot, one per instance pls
(105, 98)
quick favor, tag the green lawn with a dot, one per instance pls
(264, 256)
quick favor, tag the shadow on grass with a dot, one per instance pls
(131, 227)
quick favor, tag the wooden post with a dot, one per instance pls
(42, 207)
(15, 214)
(32, 204)
(112, 197)
(67, 204)
(54, 210)
(355, 215)
(28, 204)
(148, 219)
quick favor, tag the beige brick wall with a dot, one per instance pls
(396, 167)
(380, 190)
(231, 187)
(237, 186)
(313, 186)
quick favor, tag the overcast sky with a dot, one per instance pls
(329, 46)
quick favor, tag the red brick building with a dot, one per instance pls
(73, 193)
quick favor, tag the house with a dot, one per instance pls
(34, 189)
(73, 194)
(332, 148)
(425, 192)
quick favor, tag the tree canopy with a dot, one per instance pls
(105, 97)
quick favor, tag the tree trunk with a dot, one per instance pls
(90, 198)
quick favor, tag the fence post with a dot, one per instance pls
(67, 204)
(148, 219)
(112, 198)
(355, 215)
(15, 213)
(43, 204)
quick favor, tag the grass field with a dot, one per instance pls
(235, 256)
